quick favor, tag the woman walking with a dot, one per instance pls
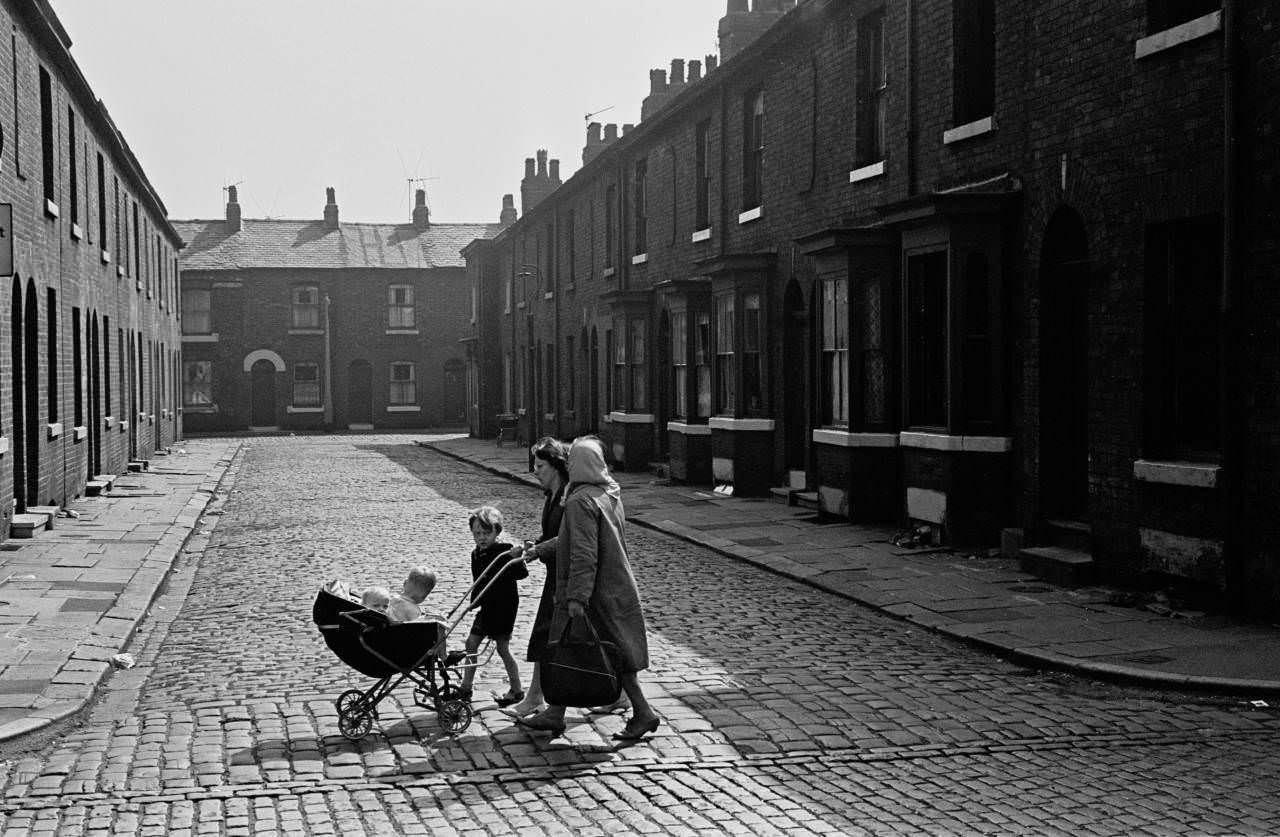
(593, 574)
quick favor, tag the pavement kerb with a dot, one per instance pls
(1023, 656)
(138, 596)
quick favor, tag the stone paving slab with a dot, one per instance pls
(71, 597)
(987, 602)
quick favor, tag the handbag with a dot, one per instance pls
(580, 670)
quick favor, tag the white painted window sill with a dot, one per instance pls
(685, 429)
(701, 235)
(740, 424)
(640, 258)
(306, 331)
(124, 425)
(520, 305)
(106, 257)
(630, 418)
(200, 408)
(51, 208)
(200, 338)
(108, 421)
(120, 270)
(292, 409)
(404, 408)
(866, 172)
(55, 429)
(845, 439)
(969, 130)
(76, 231)
(79, 432)
(608, 271)
(962, 444)
(4, 444)
(1176, 35)
(549, 295)
(1191, 474)
(408, 331)
(754, 214)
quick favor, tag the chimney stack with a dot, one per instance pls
(537, 184)
(508, 216)
(740, 27)
(421, 215)
(712, 62)
(610, 132)
(330, 209)
(626, 128)
(695, 70)
(677, 71)
(233, 210)
(658, 93)
(594, 143)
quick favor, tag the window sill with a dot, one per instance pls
(570, 288)
(621, 417)
(1177, 35)
(963, 444)
(866, 172)
(969, 130)
(701, 235)
(124, 425)
(1191, 474)
(106, 257)
(76, 232)
(50, 208)
(404, 408)
(79, 432)
(409, 331)
(189, 409)
(739, 424)
(120, 270)
(549, 295)
(640, 258)
(753, 214)
(608, 271)
(686, 429)
(306, 331)
(108, 422)
(292, 409)
(200, 338)
(519, 306)
(55, 429)
(4, 444)
(845, 439)
(548, 416)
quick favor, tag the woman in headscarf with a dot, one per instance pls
(593, 574)
(551, 467)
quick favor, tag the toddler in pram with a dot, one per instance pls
(391, 652)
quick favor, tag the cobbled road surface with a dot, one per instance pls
(786, 710)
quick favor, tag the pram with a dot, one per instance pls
(367, 641)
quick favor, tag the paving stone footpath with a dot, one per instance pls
(984, 600)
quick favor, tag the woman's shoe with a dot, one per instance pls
(541, 723)
(519, 711)
(622, 704)
(512, 696)
(635, 731)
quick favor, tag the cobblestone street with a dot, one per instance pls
(787, 710)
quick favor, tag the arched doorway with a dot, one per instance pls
(593, 408)
(794, 391)
(1064, 368)
(360, 395)
(453, 403)
(16, 361)
(262, 399)
(31, 394)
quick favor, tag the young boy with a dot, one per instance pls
(407, 605)
(498, 604)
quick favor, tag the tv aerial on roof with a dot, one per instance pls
(587, 117)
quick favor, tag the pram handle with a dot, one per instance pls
(459, 611)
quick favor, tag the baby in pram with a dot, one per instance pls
(405, 606)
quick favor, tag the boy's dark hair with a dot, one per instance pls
(489, 518)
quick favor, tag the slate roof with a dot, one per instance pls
(308, 244)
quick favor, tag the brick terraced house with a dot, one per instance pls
(321, 324)
(88, 381)
(1002, 272)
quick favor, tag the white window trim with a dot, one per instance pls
(753, 214)
(200, 338)
(106, 257)
(76, 232)
(55, 429)
(969, 130)
(79, 432)
(403, 408)
(306, 331)
(1193, 474)
(4, 444)
(631, 418)
(410, 331)
(640, 258)
(867, 172)
(51, 208)
(1177, 35)
(686, 429)
(845, 439)
(947, 442)
(292, 409)
(608, 271)
(701, 235)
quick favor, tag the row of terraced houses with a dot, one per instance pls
(90, 362)
(999, 271)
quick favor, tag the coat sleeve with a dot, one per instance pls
(583, 525)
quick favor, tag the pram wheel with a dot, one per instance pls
(354, 720)
(454, 715)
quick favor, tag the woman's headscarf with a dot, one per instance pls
(587, 465)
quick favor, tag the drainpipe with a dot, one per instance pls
(328, 369)
(911, 97)
(1231, 403)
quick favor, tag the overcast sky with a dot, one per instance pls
(286, 97)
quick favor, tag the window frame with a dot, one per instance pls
(973, 71)
(871, 86)
(401, 314)
(192, 387)
(753, 143)
(306, 384)
(298, 308)
(724, 305)
(402, 392)
(702, 175)
(835, 393)
(926, 402)
(639, 205)
(192, 314)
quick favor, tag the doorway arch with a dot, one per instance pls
(1064, 368)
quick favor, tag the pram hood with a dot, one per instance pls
(370, 643)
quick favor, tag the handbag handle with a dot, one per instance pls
(591, 626)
